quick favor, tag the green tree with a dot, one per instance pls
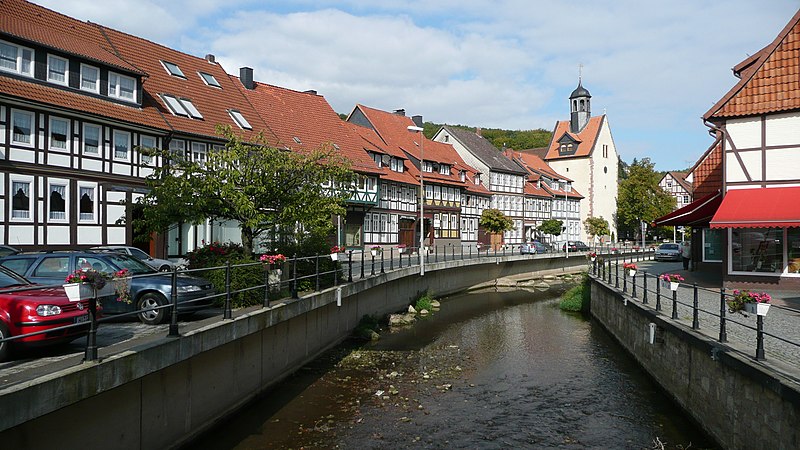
(260, 187)
(494, 221)
(551, 226)
(640, 198)
(596, 226)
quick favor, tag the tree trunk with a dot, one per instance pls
(247, 240)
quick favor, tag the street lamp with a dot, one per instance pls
(419, 130)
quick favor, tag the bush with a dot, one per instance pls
(577, 298)
(366, 326)
(215, 255)
(425, 302)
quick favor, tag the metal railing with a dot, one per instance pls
(285, 280)
(707, 312)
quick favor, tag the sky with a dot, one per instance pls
(653, 67)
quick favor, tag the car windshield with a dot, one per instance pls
(134, 266)
(9, 278)
(668, 247)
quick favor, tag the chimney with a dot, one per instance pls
(246, 77)
(400, 112)
(478, 131)
(417, 121)
(211, 59)
(310, 91)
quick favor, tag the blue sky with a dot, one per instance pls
(654, 67)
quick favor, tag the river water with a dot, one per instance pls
(489, 370)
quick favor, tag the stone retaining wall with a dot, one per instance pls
(163, 393)
(737, 400)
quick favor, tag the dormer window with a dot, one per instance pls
(14, 58)
(463, 176)
(239, 119)
(209, 79)
(173, 69)
(427, 166)
(57, 69)
(378, 158)
(121, 87)
(563, 147)
(444, 169)
(90, 78)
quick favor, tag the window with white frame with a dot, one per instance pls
(57, 69)
(444, 169)
(59, 131)
(209, 79)
(14, 58)
(22, 124)
(147, 142)
(190, 108)
(199, 152)
(239, 119)
(90, 78)
(177, 148)
(86, 203)
(20, 199)
(57, 202)
(91, 138)
(122, 144)
(121, 87)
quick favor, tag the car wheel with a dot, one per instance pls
(164, 268)
(149, 301)
(4, 346)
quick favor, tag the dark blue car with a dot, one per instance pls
(149, 288)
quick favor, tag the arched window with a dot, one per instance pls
(574, 105)
(583, 106)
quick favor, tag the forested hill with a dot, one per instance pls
(514, 139)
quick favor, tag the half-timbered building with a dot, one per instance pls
(757, 124)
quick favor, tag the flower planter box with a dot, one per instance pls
(83, 291)
(401, 250)
(759, 309)
(334, 256)
(373, 252)
(632, 272)
(671, 285)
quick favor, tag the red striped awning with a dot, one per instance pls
(759, 208)
(697, 213)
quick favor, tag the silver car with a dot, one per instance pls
(162, 265)
(669, 251)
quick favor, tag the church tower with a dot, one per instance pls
(580, 108)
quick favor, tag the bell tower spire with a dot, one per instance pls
(579, 105)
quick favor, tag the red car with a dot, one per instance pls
(29, 311)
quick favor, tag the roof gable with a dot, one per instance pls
(770, 80)
(583, 141)
(483, 150)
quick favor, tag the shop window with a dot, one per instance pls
(757, 250)
(712, 245)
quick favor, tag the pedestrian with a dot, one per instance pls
(686, 254)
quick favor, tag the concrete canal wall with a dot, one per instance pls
(740, 402)
(162, 393)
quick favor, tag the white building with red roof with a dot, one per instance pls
(583, 150)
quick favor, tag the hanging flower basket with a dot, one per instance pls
(90, 283)
(671, 281)
(752, 302)
(401, 248)
(375, 250)
(631, 268)
(335, 250)
(592, 256)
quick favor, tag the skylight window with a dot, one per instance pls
(209, 79)
(181, 106)
(173, 69)
(239, 119)
(297, 140)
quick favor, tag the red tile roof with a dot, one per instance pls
(33, 23)
(393, 130)
(305, 121)
(680, 178)
(770, 79)
(371, 142)
(707, 172)
(586, 138)
(534, 164)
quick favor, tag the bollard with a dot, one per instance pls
(362, 263)
(372, 270)
(760, 338)
(633, 289)
(173, 321)
(624, 280)
(674, 304)
(91, 338)
(391, 259)
(723, 333)
(350, 266)
(644, 287)
(435, 253)
(382, 271)
(695, 310)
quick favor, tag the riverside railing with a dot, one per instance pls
(707, 312)
(285, 280)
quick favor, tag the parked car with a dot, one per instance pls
(162, 265)
(532, 248)
(29, 311)
(149, 288)
(668, 252)
(6, 250)
(575, 246)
